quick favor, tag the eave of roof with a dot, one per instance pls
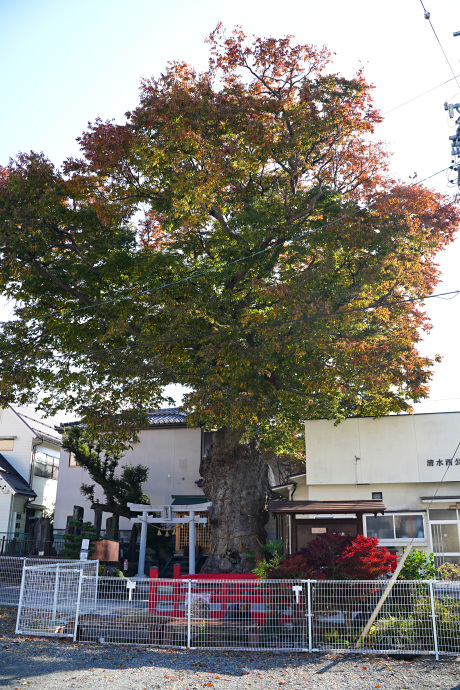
(327, 507)
(440, 499)
(14, 479)
(37, 425)
(180, 500)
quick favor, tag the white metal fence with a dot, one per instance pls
(418, 617)
(53, 596)
(11, 574)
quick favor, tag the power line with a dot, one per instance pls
(422, 94)
(427, 16)
(220, 267)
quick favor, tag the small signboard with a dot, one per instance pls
(166, 513)
(83, 555)
(84, 544)
(318, 530)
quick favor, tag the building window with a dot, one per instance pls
(72, 461)
(395, 527)
(445, 534)
(6, 444)
(377, 494)
(46, 466)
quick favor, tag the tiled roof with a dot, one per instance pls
(179, 500)
(14, 479)
(166, 416)
(328, 507)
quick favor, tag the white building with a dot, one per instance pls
(168, 448)
(29, 465)
(405, 465)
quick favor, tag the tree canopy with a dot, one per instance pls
(239, 234)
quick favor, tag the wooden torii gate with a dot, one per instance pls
(167, 516)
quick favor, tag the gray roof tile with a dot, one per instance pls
(14, 479)
(166, 416)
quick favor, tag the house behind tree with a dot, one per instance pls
(29, 467)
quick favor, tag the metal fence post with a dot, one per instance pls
(309, 614)
(433, 617)
(97, 584)
(56, 586)
(77, 608)
(21, 594)
(189, 612)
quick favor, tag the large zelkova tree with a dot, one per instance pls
(239, 234)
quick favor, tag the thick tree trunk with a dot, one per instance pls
(235, 479)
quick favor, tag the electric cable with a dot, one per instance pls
(423, 94)
(427, 16)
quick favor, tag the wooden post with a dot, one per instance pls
(294, 534)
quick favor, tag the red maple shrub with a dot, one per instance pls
(334, 556)
(363, 559)
(292, 568)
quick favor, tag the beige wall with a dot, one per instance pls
(5, 510)
(392, 449)
(21, 455)
(173, 459)
(389, 455)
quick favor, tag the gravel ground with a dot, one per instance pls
(51, 664)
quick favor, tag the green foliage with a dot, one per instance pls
(257, 191)
(418, 566)
(110, 571)
(101, 456)
(408, 627)
(272, 555)
(449, 571)
(238, 234)
(72, 542)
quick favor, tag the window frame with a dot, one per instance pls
(445, 521)
(399, 541)
(54, 464)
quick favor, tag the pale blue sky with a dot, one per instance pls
(62, 64)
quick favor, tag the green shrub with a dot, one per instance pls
(418, 566)
(72, 542)
(449, 571)
(272, 555)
